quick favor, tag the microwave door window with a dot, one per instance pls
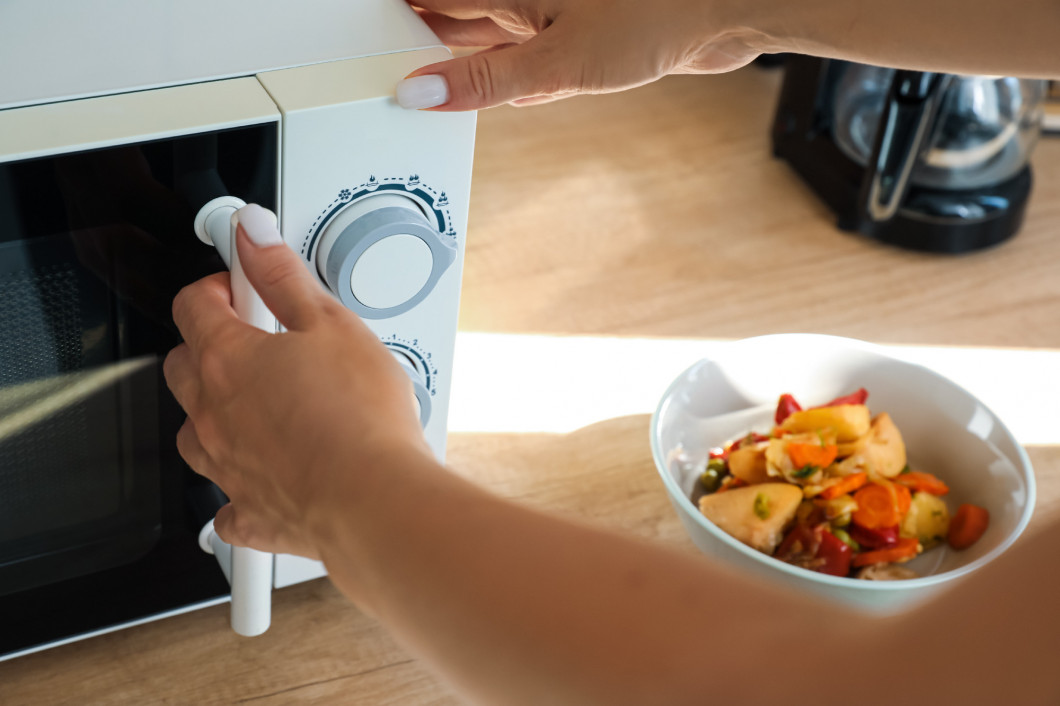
(76, 494)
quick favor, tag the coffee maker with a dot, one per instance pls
(925, 161)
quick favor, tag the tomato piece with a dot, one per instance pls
(873, 538)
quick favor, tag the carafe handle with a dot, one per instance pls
(906, 126)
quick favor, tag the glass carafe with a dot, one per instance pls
(937, 131)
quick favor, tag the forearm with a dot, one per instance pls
(954, 36)
(513, 606)
(516, 607)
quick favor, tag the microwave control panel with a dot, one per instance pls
(375, 199)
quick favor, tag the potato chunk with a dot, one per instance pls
(928, 519)
(849, 421)
(748, 463)
(756, 515)
(881, 451)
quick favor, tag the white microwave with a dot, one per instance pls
(121, 121)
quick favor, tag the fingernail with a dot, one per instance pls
(259, 224)
(423, 92)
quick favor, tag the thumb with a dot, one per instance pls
(539, 67)
(279, 276)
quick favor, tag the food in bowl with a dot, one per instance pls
(829, 489)
(946, 429)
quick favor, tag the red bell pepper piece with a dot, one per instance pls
(815, 548)
(877, 538)
(858, 397)
(835, 555)
(800, 543)
(785, 406)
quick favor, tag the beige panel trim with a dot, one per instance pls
(348, 81)
(44, 130)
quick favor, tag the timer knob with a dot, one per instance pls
(381, 255)
(419, 386)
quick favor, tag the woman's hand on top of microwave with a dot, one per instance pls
(286, 424)
(543, 50)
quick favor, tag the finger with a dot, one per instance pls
(536, 100)
(179, 372)
(540, 66)
(225, 524)
(279, 276)
(463, 11)
(202, 308)
(191, 450)
(481, 32)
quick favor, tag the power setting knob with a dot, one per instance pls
(381, 255)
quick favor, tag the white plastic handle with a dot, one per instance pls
(249, 572)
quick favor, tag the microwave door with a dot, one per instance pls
(100, 518)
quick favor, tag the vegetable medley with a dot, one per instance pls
(830, 490)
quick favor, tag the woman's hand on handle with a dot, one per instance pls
(280, 421)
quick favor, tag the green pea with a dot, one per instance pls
(710, 479)
(761, 506)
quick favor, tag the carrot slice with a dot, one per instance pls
(819, 455)
(847, 484)
(906, 548)
(730, 485)
(877, 506)
(921, 481)
(967, 526)
(903, 498)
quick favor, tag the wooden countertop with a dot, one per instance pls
(658, 212)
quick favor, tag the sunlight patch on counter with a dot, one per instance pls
(556, 384)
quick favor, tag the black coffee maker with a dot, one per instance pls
(926, 161)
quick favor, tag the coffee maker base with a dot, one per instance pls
(952, 223)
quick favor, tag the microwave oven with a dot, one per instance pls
(121, 122)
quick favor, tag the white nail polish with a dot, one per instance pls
(423, 92)
(259, 224)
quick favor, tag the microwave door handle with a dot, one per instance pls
(249, 572)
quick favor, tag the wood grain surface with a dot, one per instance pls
(659, 212)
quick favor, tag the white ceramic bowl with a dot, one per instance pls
(947, 432)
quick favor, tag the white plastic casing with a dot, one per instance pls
(344, 132)
(325, 70)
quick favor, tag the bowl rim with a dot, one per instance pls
(842, 582)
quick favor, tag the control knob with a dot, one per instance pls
(381, 255)
(419, 386)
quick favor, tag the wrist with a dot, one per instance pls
(362, 509)
(764, 26)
